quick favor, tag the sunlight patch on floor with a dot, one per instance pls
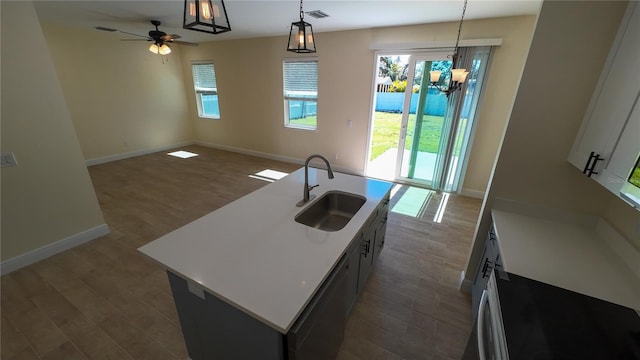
(413, 202)
(442, 207)
(182, 154)
(269, 175)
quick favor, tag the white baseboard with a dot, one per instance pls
(288, 159)
(131, 154)
(465, 284)
(46, 251)
(476, 194)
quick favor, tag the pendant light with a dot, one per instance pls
(301, 38)
(458, 76)
(209, 16)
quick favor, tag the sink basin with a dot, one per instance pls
(332, 211)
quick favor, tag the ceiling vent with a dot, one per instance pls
(318, 14)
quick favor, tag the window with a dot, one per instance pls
(301, 93)
(204, 83)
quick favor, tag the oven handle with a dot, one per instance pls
(480, 325)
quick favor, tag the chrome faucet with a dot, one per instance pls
(307, 188)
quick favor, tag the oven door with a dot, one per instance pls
(487, 341)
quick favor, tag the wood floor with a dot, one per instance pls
(104, 300)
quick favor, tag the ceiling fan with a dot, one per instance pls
(161, 39)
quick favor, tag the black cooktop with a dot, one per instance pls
(545, 322)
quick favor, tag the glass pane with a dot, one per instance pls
(210, 107)
(462, 136)
(303, 113)
(426, 125)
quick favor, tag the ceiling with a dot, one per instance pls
(257, 18)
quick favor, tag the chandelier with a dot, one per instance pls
(458, 76)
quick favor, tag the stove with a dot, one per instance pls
(545, 322)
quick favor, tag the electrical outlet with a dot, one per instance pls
(8, 159)
(349, 123)
(335, 156)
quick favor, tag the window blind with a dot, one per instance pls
(204, 77)
(301, 78)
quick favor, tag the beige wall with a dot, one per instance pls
(49, 195)
(249, 74)
(569, 48)
(121, 97)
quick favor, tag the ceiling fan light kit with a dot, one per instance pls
(209, 16)
(163, 49)
(301, 39)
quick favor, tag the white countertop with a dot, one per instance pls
(253, 255)
(584, 255)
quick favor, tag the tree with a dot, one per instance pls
(393, 68)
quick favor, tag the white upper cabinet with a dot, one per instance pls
(608, 142)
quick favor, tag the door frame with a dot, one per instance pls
(440, 53)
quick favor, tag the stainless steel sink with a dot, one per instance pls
(332, 211)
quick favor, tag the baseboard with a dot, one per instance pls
(261, 154)
(476, 194)
(465, 284)
(46, 251)
(131, 154)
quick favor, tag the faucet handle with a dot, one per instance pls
(313, 186)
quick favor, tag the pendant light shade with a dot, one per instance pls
(301, 39)
(209, 16)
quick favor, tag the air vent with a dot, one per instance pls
(318, 14)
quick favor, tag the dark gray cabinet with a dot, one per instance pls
(319, 331)
(489, 261)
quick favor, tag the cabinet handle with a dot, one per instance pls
(365, 247)
(485, 267)
(591, 165)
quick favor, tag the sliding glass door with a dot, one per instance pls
(434, 132)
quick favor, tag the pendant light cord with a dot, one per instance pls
(464, 9)
(302, 12)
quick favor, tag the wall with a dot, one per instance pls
(569, 48)
(49, 195)
(121, 97)
(250, 88)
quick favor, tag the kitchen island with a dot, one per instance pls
(254, 261)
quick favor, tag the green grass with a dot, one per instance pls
(309, 121)
(635, 177)
(387, 131)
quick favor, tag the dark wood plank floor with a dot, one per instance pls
(104, 300)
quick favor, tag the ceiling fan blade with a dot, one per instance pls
(135, 39)
(184, 43)
(144, 36)
(170, 37)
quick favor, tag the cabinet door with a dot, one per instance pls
(490, 254)
(380, 232)
(624, 157)
(366, 256)
(353, 265)
(613, 98)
